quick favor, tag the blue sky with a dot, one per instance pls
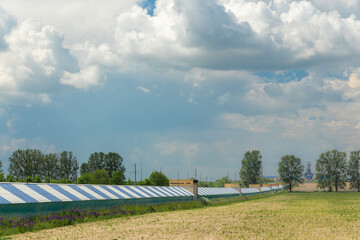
(179, 85)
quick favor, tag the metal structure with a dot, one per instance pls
(217, 192)
(34, 198)
(308, 173)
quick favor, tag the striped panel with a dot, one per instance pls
(264, 189)
(249, 190)
(18, 193)
(40, 192)
(10, 197)
(206, 191)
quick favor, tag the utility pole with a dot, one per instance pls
(141, 172)
(195, 174)
(135, 173)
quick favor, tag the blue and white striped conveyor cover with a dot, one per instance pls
(43, 192)
(204, 191)
(249, 190)
(263, 189)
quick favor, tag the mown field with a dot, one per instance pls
(283, 216)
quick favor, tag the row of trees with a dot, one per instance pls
(110, 162)
(103, 168)
(332, 170)
(331, 173)
(32, 163)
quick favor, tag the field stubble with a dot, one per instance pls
(283, 216)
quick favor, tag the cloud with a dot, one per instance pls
(79, 21)
(188, 150)
(85, 79)
(224, 98)
(34, 64)
(144, 90)
(238, 35)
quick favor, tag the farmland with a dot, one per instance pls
(283, 216)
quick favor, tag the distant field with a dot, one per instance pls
(284, 216)
(311, 187)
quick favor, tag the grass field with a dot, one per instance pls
(283, 216)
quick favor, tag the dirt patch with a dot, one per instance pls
(306, 187)
(312, 187)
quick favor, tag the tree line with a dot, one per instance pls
(332, 170)
(103, 168)
(32, 165)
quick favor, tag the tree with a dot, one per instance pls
(113, 162)
(1, 170)
(68, 166)
(50, 168)
(100, 176)
(354, 170)
(84, 168)
(85, 178)
(118, 178)
(221, 182)
(158, 179)
(291, 170)
(9, 178)
(25, 163)
(251, 167)
(96, 161)
(331, 170)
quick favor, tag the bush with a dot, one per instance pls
(118, 178)
(204, 201)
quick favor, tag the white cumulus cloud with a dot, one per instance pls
(86, 78)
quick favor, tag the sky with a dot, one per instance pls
(180, 85)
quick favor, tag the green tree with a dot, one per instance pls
(291, 170)
(331, 170)
(50, 168)
(84, 168)
(158, 179)
(25, 163)
(118, 178)
(85, 178)
(9, 178)
(221, 182)
(96, 161)
(251, 167)
(1, 170)
(100, 176)
(68, 166)
(354, 170)
(37, 179)
(113, 162)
